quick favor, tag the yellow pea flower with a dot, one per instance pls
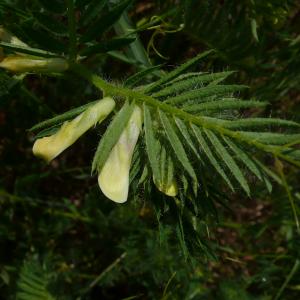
(21, 64)
(114, 176)
(51, 146)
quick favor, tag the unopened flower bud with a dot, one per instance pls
(20, 64)
(114, 176)
(51, 146)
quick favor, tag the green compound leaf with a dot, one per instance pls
(178, 71)
(228, 160)
(196, 81)
(177, 145)
(214, 162)
(205, 92)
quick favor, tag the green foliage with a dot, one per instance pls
(33, 283)
(210, 215)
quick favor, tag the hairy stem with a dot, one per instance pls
(113, 90)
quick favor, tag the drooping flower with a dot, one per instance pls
(51, 146)
(19, 64)
(114, 176)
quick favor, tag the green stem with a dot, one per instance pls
(72, 31)
(112, 90)
(289, 194)
(107, 270)
(288, 279)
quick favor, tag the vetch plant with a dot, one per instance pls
(184, 137)
(181, 162)
(176, 134)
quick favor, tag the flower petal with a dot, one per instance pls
(51, 146)
(114, 176)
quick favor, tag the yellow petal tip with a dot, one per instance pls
(115, 191)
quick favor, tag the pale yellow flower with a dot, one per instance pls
(170, 189)
(51, 146)
(114, 176)
(21, 64)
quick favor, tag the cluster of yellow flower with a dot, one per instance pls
(113, 178)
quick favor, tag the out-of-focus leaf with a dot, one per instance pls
(106, 46)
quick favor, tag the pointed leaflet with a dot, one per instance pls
(191, 83)
(251, 164)
(111, 136)
(271, 138)
(27, 50)
(189, 140)
(243, 157)
(48, 131)
(185, 76)
(151, 143)
(222, 105)
(185, 133)
(63, 117)
(167, 183)
(228, 159)
(205, 92)
(139, 76)
(252, 123)
(177, 145)
(209, 155)
(178, 71)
